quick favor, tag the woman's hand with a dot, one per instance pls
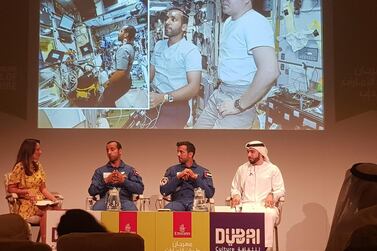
(30, 196)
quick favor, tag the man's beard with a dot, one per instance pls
(182, 161)
(113, 159)
(255, 160)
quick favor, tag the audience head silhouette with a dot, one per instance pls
(356, 205)
(78, 221)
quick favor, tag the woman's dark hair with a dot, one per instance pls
(25, 154)
(78, 221)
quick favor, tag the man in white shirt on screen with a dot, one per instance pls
(176, 66)
(258, 185)
(247, 68)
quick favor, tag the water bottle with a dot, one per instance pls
(113, 200)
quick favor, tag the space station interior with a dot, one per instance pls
(78, 41)
(295, 101)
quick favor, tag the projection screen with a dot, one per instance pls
(81, 66)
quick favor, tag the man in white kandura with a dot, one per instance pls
(258, 185)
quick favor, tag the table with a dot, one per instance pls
(177, 231)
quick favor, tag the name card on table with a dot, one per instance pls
(182, 231)
(237, 231)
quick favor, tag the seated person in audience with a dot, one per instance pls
(78, 221)
(116, 174)
(28, 181)
(180, 180)
(356, 205)
(363, 239)
(258, 184)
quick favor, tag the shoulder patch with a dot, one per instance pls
(135, 172)
(207, 174)
(164, 181)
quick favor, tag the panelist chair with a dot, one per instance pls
(139, 199)
(279, 206)
(14, 204)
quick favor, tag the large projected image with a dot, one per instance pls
(209, 67)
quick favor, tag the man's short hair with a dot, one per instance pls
(185, 16)
(119, 146)
(131, 31)
(190, 146)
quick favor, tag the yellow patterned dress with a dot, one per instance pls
(32, 184)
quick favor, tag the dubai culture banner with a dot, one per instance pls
(237, 231)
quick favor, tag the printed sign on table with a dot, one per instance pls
(237, 231)
(182, 231)
(128, 222)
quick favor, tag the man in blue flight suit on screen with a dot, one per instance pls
(180, 180)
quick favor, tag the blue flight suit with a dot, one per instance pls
(133, 184)
(182, 191)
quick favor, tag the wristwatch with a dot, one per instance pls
(238, 106)
(168, 98)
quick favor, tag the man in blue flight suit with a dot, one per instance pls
(180, 180)
(116, 174)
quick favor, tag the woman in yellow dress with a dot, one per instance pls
(28, 181)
